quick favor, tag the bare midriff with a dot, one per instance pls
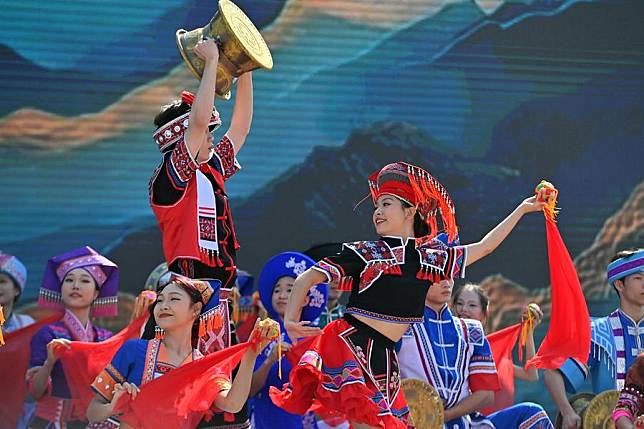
(393, 331)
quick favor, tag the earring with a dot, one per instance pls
(159, 333)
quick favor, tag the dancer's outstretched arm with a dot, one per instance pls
(242, 112)
(492, 239)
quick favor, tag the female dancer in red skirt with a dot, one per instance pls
(350, 367)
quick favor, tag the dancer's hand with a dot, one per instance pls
(571, 421)
(54, 347)
(124, 389)
(274, 355)
(532, 205)
(297, 330)
(535, 310)
(143, 302)
(624, 423)
(207, 50)
(31, 372)
(263, 333)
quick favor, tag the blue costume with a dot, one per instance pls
(137, 362)
(265, 414)
(141, 361)
(454, 356)
(616, 340)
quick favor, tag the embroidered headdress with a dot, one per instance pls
(213, 315)
(418, 188)
(170, 133)
(102, 270)
(290, 264)
(11, 266)
(626, 266)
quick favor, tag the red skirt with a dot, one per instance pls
(349, 371)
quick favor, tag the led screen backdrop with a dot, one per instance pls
(490, 95)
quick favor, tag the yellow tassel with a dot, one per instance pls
(279, 351)
(1, 325)
(235, 305)
(275, 334)
(547, 192)
(527, 328)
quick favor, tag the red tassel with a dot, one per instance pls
(392, 269)
(229, 417)
(346, 283)
(217, 322)
(158, 333)
(202, 328)
(428, 190)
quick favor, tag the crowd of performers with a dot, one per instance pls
(185, 362)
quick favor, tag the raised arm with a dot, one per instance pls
(201, 110)
(297, 300)
(233, 399)
(527, 374)
(495, 237)
(537, 316)
(242, 112)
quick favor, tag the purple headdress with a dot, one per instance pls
(102, 270)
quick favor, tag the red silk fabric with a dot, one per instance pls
(84, 361)
(569, 331)
(14, 361)
(183, 396)
(502, 343)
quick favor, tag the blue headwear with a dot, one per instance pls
(290, 264)
(626, 266)
(16, 270)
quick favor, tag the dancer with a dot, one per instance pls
(84, 284)
(13, 278)
(275, 284)
(454, 356)
(471, 302)
(182, 309)
(351, 367)
(629, 410)
(187, 191)
(617, 339)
